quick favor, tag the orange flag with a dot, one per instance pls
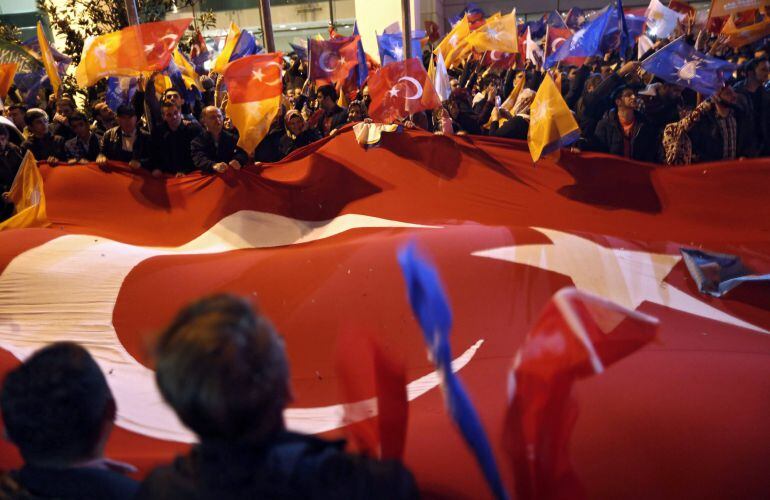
(7, 72)
(48, 62)
(738, 37)
(721, 8)
(130, 51)
(254, 85)
(27, 196)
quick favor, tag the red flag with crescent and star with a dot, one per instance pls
(498, 60)
(313, 241)
(332, 60)
(254, 86)
(400, 89)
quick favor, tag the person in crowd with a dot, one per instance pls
(126, 142)
(516, 125)
(59, 411)
(223, 369)
(297, 133)
(216, 149)
(15, 113)
(724, 132)
(624, 131)
(357, 111)
(41, 142)
(10, 161)
(60, 125)
(754, 98)
(85, 146)
(172, 140)
(104, 119)
(464, 119)
(331, 116)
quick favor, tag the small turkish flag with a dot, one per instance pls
(400, 89)
(332, 60)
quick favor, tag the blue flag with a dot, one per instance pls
(625, 38)
(474, 12)
(246, 46)
(120, 90)
(431, 307)
(391, 46)
(362, 69)
(174, 72)
(536, 28)
(575, 18)
(300, 51)
(679, 63)
(597, 37)
(554, 20)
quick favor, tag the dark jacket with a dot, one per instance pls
(288, 144)
(171, 149)
(62, 129)
(515, 128)
(644, 138)
(269, 148)
(756, 107)
(76, 483)
(594, 106)
(205, 153)
(88, 152)
(332, 120)
(46, 147)
(706, 137)
(10, 160)
(112, 146)
(291, 466)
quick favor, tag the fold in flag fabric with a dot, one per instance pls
(723, 8)
(499, 60)
(578, 335)
(454, 44)
(49, 64)
(498, 33)
(401, 89)
(662, 21)
(332, 60)
(718, 273)
(254, 85)
(551, 124)
(7, 72)
(365, 368)
(130, 51)
(27, 196)
(679, 63)
(362, 69)
(738, 37)
(441, 79)
(431, 308)
(239, 43)
(120, 91)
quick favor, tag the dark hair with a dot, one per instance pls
(20, 106)
(618, 92)
(4, 130)
(750, 65)
(78, 116)
(33, 114)
(125, 110)
(55, 405)
(328, 91)
(168, 103)
(222, 368)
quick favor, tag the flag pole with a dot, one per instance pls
(267, 25)
(131, 12)
(406, 21)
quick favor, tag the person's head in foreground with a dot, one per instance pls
(223, 369)
(59, 411)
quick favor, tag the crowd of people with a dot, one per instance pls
(620, 110)
(59, 411)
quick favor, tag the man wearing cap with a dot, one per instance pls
(624, 131)
(126, 142)
(44, 145)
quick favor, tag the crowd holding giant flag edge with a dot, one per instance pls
(588, 113)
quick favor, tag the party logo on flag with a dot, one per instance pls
(401, 89)
(679, 63)
(498, 33)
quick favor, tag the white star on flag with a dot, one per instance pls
(393, 92)
(257, 75)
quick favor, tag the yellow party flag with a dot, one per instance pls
(224, 57)
(517, 88)
(48, 62)
(254, 86)
(551, 124)
(498, 33)
(454, 44)
(7, 72)
(27, 196)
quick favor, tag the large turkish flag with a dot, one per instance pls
(313, 240)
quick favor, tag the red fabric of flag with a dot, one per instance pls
(499, 60)
(254, 78)
(400, 89)
(332, 60)
(577, 335)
